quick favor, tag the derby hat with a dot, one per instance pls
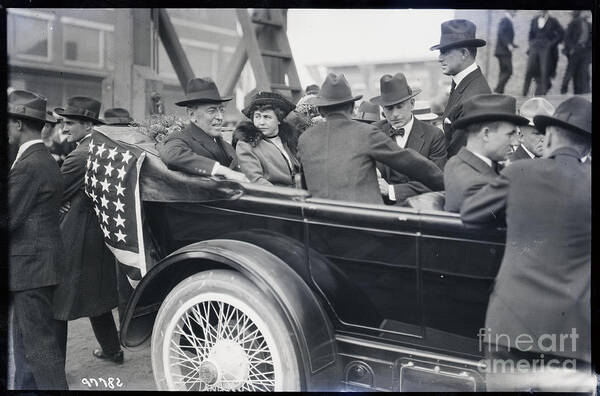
(458, 33)
(536, 106)
(394, 89)
(81, 107)
(117, 116)
(367, 112)
(489, 107)
(273, 99)
(27, 104)
(574, 114)
(335, 90)
(202, 90)
(422, 111)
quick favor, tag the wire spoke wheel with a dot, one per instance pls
(216, 340)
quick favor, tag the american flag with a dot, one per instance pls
(112, 183)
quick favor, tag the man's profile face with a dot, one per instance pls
(208, 117)
(532, 140)
(13, 131)
(500, 139)
(399, 114)
(75, 129)
(451, 60)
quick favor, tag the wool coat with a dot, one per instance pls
(90, 283)
(425, 139)
(465, 174)
(473, 84)
(339, 156)
(543, 285)
(193, 151)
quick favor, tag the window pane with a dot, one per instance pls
(81, 44)
(31, 36)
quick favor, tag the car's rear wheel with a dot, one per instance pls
(216, 331)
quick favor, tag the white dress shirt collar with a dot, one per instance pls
(542, 21)
(24, 147)
(401, 140)
(528, 152)
(507, 14)
(458, 77)
(484, 159)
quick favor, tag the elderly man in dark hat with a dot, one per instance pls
(199, 149)
(458, 50)
(36, 250)
(397, 100)
(490, 123)
(339, 155)
(90, 285)
(531, 138)
(542, 290)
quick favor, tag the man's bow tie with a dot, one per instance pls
(399, 132)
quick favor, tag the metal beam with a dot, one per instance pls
(175, 51)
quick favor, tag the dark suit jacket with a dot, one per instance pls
(465, 174)
(473, 84)
(36, 251)
(518, 154)
(548, 37)
(543, 286)
(193, 151)
(572, 36)
(506, 36)
(425, 139)
(338, 157)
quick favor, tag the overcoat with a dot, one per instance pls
(465, 174)
(36, 252)
(543, 285)
(506, 35)
(473, 84)
(193, 151)
(339, 155)
(425, 139)
(90, 283)
(261, 161)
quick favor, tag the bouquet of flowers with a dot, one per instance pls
(159, 126)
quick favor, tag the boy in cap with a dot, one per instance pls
(397, 101)
(36, 250)
(199, 149)
(490, 124)
(338, 155)
(543, 288)
(458, 50)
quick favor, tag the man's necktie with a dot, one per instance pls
(452, 87)
(397, 132)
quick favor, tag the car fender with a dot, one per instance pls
(309, 321)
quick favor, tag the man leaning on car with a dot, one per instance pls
(199, 148)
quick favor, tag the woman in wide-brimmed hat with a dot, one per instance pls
(266, 146)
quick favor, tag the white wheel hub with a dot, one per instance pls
(227, 366)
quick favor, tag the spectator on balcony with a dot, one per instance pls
(339, 154)
(545, 33)
(490, 123)
(531, 139)
(458, 50)
(199, 148)
(266, 146)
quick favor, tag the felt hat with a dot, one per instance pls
(28, 104)
(81, 107)
(574, 114)
(335, 90)
(367, 112)
(458, 33)
(394, 89)
(536, 106)
(268, 98)
(117, 116)
(312, 89)
(489, 107)
(202, 90)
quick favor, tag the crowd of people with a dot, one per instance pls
(527, 169)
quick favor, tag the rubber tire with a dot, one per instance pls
(236, 286)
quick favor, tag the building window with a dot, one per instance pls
(30, 34)
(84, 42)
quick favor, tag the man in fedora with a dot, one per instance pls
(90, 285)
(339, 154)
(531, 139)
(199, 148)
(490, 124)
(367, 112)
(542, 289)
(458, 50)
(397, 101)
(36, 250)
